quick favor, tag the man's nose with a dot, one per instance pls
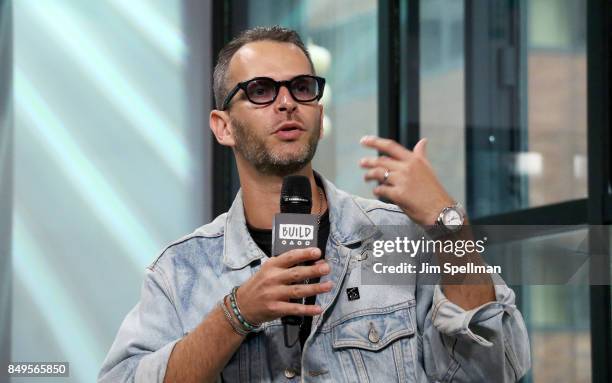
(284, 101)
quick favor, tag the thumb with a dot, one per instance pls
(421, 147)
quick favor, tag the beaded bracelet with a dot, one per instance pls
(245, 324)
(235, 327)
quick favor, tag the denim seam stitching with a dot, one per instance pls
(436, 308)
(167, 292)
(362, 372)
(386, 208)
(511, 356)
(379, 346)
(398, 357)
(153, 265)
(451, 371)
(370, 311)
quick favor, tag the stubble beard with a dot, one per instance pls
(264, 159)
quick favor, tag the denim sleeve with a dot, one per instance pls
(485, 344)
(146, 337)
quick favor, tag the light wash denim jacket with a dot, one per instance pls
(407, 333)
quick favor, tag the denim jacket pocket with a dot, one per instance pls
(376, 344)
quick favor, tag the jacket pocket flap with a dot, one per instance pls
(374, 330)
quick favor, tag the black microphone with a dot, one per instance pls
(296, 196)
(294, 227)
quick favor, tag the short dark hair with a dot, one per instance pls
(275, 33)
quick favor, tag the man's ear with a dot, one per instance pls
(220, 126)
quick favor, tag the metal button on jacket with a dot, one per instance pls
(373, 335)
(290, 373)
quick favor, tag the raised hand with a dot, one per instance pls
(410, 181)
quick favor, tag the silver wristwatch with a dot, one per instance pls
(449, 221)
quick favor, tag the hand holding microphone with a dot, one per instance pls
(266, 295)
(279, 288)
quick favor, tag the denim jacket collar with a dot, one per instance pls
(349, 224)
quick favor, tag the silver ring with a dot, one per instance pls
(386, 176)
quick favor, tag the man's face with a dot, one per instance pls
(278, 138)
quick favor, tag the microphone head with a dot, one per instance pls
(296, 196)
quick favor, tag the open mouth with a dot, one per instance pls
(289, 132)
(289, 129)
(289, 126)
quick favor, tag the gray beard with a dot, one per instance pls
(254, 150)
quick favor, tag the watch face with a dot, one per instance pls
(452, 218)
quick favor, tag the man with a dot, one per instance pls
(191, 325)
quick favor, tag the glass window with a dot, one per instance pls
(557, 316)
(505, 110)
(342, 38)
(503, 103)
(556, 161)
(442, 91)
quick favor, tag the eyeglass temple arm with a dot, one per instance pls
(229, 96)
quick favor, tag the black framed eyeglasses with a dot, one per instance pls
(264, 90)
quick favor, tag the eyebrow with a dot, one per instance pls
(270, 77)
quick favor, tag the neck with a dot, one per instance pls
(261, 194)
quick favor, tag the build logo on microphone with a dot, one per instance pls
(291, 234)
(293, 231)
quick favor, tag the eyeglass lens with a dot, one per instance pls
(264, 90)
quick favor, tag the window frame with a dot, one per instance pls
(599, 87)
(225, 181)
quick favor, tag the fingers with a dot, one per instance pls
(378, 174)
(421, 147)
(382, 162)
(287, 308)
(300, 273)
(378, 166)
(266, 295)
(299, 290)
(387, 146)
(385, 191)
(296, 256)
